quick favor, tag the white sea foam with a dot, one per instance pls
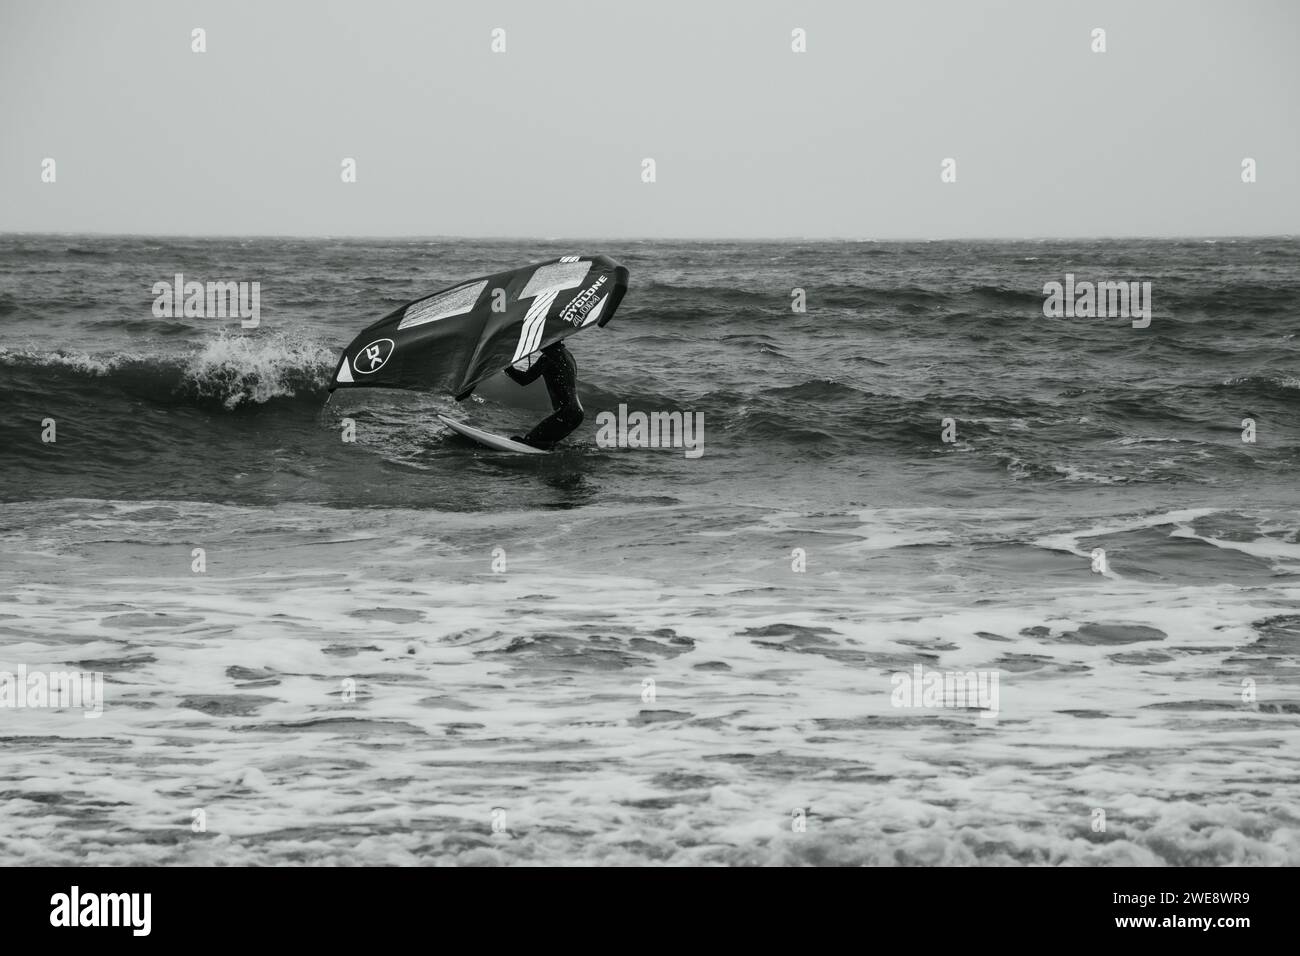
(523, 695)
(255, 369)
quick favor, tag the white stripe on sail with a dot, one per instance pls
(534, 323)
(539, 327)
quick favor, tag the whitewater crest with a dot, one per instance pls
(251, 370)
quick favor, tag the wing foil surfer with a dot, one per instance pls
(558, 368)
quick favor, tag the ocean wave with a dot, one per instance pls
(238, 370)
(1008, 296)
(230, 370)
(1279, 385)
(816, 390)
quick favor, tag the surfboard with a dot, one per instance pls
(488, 439)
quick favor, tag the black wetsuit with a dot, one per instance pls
(559, 369)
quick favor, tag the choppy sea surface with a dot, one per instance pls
(408, 649)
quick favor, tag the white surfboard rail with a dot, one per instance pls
(488, 439)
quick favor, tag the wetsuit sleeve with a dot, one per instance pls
(525, 378)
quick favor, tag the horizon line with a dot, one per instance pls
(639, 239)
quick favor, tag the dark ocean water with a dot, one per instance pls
(524, 691)
(843, 402)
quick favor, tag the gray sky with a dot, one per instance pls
(749, 138)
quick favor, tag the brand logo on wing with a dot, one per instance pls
(577, 310)
(372, 357)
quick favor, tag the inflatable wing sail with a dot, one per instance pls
(452, 340)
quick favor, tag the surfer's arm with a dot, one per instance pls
(525, 378)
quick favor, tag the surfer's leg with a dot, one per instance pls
(555, 426)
